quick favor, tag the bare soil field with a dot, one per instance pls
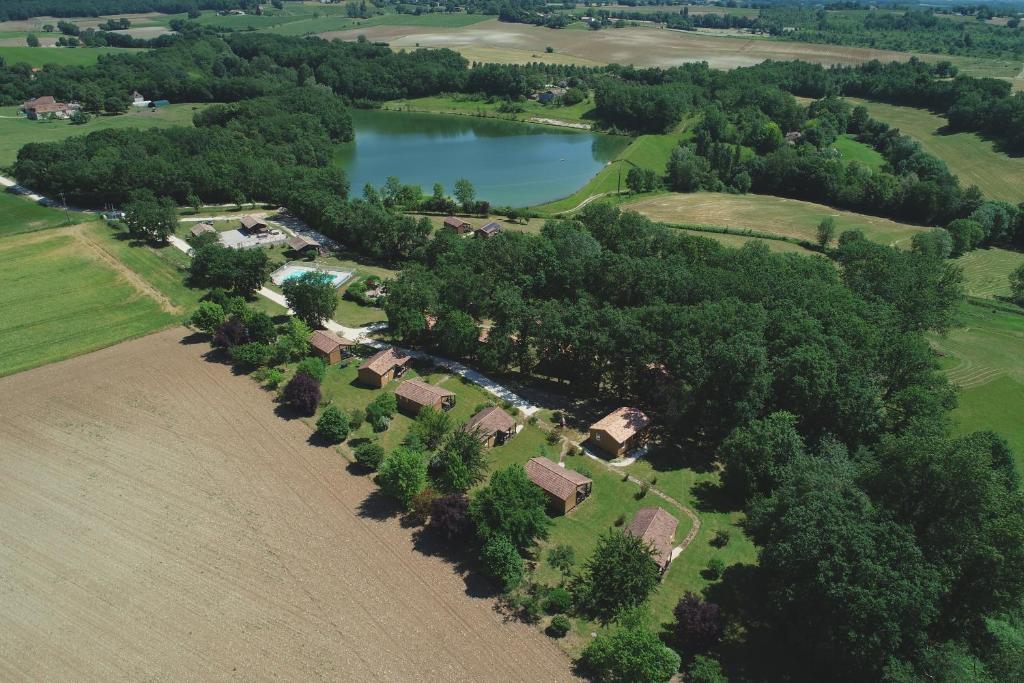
(643, 46)
(162, 522)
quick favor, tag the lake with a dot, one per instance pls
(509, 163)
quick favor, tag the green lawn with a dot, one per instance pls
(851, 150)
(64, 56)
(19, 215)
(646, 151)
(17, 131)
(975, 160)
(985, 359)
(441, 104)
(987, 271)
(60, 300)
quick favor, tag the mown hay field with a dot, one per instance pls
(70, 56)
(765, 214)
(975, 160)
(987, 271)
(161, 521)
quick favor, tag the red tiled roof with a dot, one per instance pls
(326, 342)
(622, 423)
(421, 393)
(558, 481)
(656, 527)
(382, 361)
(455, 222)
(490, 420)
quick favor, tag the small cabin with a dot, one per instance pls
(201, 229)
(492, 425)
(305, 246)
(492, 229)
(458, 225)
(330, 347)
(620, 431)
(565, 488)
(656, 528)
(414, 395)
(254, 225)
(382, 367)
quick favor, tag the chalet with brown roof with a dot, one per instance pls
(492, 425)
(656, 528)
(460, 226)
(492, 229)
(46, 107)
(253, 224)
(382, 367)
(565, 488)
(301, 244)
(329, 346)
(202, 228)
(414, 395)
(620, 431)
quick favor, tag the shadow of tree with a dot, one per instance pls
(378, 506)
(710, 497)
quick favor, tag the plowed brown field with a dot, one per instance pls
(161, 522)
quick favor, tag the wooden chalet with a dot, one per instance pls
(329, 346)
(620, 431)
(565, 488)
(656, 528)
(460, 226)
(382, 367)
(492, 425)
(301, 244)
(488, 231)
(254, 225)
(414, 395)
(201, 229)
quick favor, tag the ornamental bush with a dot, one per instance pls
(302, 393)
(558, 627)
(370, 455)
(333, 424)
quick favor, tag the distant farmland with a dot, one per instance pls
(974, 160)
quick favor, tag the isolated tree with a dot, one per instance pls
(826, 231)
(207, 317)
(314, 367)
(195, 202)
(370, 454)
(562, 557)
(380, 410)
(511, 506)
(449, 515)
(312, 296)
(403, 474)
(629, 654)
(619, 575)
(465, 193)
(502, 562)
(79, 118)
(31, 40)
(470, 450)
(1017, 285)
(150, 218)
(333, 424)
(432, 426)
(302, 393)
(698, 625)
(251, 356)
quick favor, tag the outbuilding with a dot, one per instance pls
(382, 367)
(202, 228)
(301, 244)
(253, 224)
(656, 528)
(329, 346)
(492, 229)
(460, 226)
(492, 425)
(565, 488)
(414, 395)
(620, 431)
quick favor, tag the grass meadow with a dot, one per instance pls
(851, 150)
(64, 56)
(975, 160)
(19, 215)
(987, 271)
(60, 300)
(17, 131)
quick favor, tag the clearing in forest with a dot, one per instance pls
(766, 214)
(162, 521)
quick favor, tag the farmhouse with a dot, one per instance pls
(138, 100)
(620, 431)
(460, 226)
(382, 367)
(254, 225)
(201, 228)
(492, 425)
(414, 395)
(329, 346)
(655, 527)
(305, 245)
(489, 230)
(565, 488)
(46, 107)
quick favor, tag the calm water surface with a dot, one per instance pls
(509, 163)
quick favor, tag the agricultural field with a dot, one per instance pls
(162, 498)
(642, 46)
(975, 160)
(987, 271)
(789, 218)
(63, 296)
(64, 56)
(984, 358)
(17, 131)
(19, 215)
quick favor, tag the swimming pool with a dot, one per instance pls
(279, 276)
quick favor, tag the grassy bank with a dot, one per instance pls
(577, 114)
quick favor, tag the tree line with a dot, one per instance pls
(26, 9)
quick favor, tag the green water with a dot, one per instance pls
(509, 163)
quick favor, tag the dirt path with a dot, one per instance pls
(162, 522)
(80, 233)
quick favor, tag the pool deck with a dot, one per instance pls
(290, 270)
